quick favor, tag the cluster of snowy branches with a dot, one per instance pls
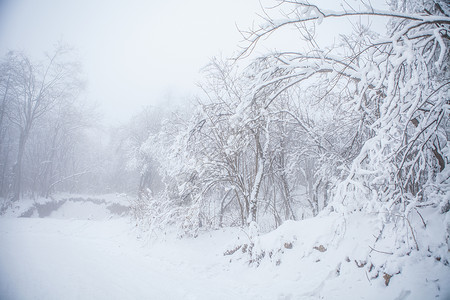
(360, 126)
(41, 124)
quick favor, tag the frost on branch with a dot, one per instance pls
(397, 90)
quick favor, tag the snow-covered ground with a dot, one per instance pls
(80, 251)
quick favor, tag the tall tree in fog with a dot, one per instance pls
(36, 87)
(6, 133)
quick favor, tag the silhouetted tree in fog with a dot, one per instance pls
(30, 91)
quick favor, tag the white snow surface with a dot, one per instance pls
(76, 254)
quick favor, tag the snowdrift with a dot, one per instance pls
(355, 256)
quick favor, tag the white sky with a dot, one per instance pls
(134, 52)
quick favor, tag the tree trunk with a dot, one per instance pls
(287, 198)
(3, 178)
(17, 169)
(259, 162)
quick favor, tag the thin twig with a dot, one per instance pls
(423, 221)
(390, 253)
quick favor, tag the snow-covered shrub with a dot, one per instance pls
(156, 216)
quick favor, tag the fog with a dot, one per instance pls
(133, 53)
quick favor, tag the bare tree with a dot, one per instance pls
(37, 88)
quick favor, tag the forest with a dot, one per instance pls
(357, 128)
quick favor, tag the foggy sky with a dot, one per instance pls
(137, 52)
(133, 52)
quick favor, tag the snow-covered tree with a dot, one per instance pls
(398, 86)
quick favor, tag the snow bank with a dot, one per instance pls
(355, 257)
(71, 206)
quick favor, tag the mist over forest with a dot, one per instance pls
(310, 160)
